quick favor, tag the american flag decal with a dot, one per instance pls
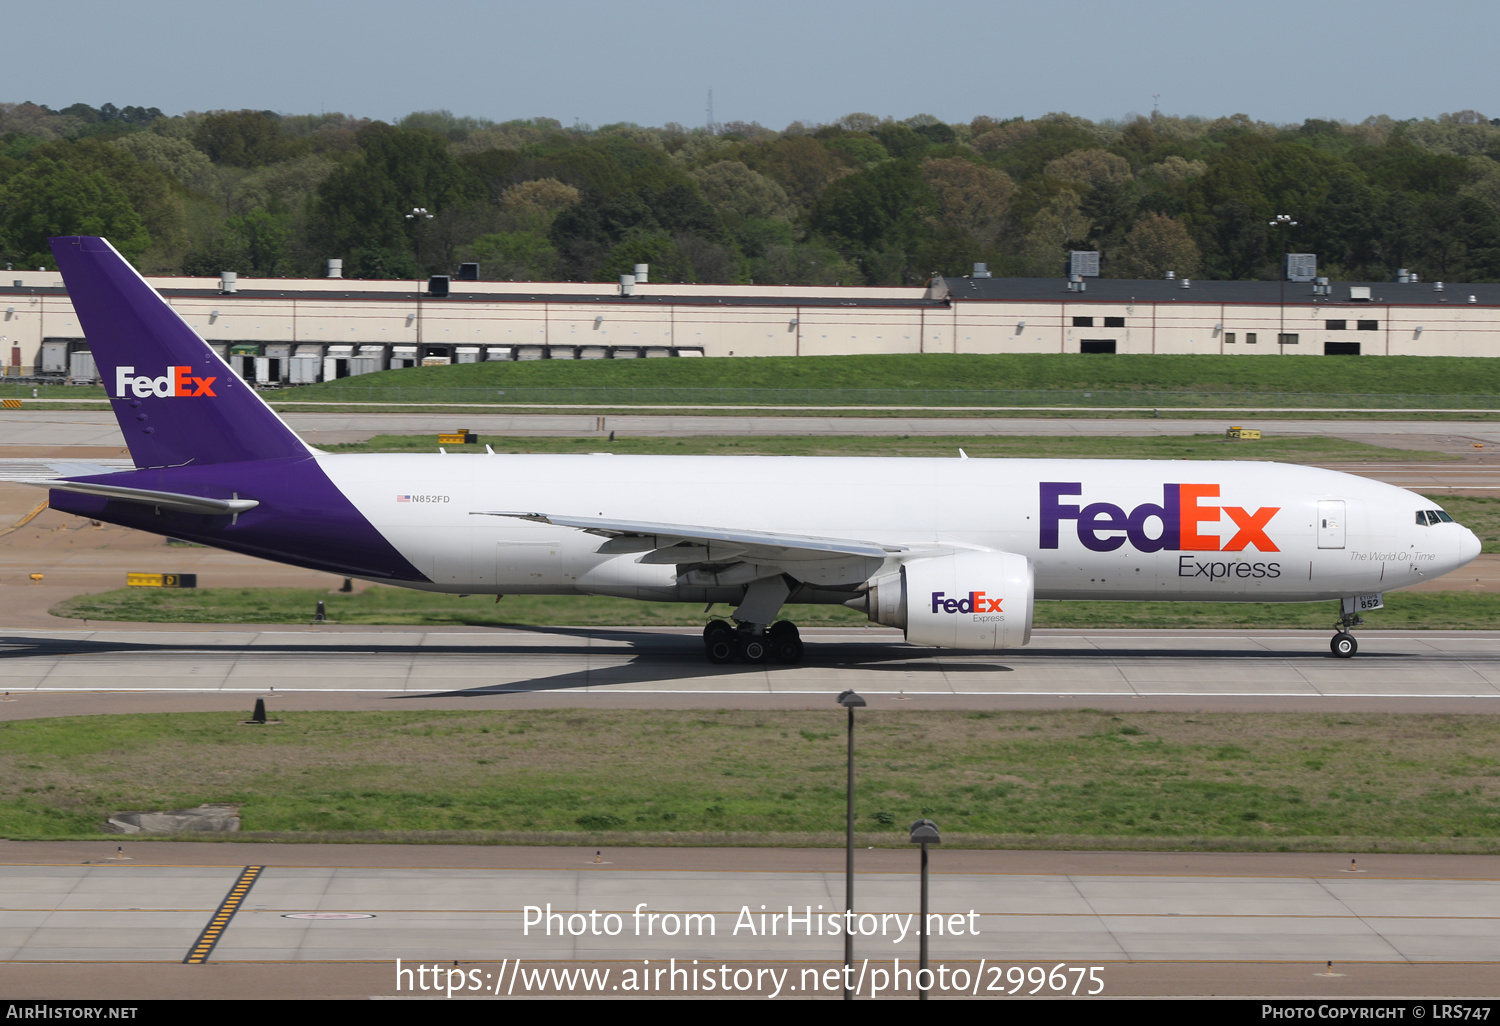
(403, 498)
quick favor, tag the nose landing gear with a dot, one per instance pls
(1343, 644)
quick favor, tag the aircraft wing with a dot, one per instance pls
(760, 552)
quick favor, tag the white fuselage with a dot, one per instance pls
(1094, 529)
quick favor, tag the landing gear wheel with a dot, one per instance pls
(754, 648)
(718, 642)
(786, 642)
(1343, 645)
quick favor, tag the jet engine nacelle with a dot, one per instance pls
(974, 600)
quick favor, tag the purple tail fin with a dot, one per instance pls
(176, 401)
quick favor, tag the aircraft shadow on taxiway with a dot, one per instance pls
(650, 657)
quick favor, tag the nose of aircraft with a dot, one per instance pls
(1468, 546)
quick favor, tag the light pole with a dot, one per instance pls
(1285, 223)
(924, 832)
(849, 700)
(418, 217)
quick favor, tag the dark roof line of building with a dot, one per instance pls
(1160, 290)
(456, 296)
(1114, 291)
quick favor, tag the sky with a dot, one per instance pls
(773, 61)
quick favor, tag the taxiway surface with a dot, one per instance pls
(48, 672)
(1137, 923)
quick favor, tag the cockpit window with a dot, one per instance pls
(1426, 517)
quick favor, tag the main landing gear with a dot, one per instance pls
(1343, 644)
(752, 643)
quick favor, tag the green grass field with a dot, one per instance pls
(1026, 380)
(1444, 610)
(1080, 779)
(1395, 375)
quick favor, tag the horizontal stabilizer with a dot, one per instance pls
(35, 469)
(162, 500)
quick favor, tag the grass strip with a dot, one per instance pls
(1021, 379)
(1082, 778)
(377, 605)
(1229, 413)
(1183, 378)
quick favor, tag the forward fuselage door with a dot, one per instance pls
(1330, 523)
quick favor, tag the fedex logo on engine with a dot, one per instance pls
(976, 602)
(1104, 527)
(177, 381)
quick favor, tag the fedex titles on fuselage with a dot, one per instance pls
(177, 381)
(1104, 526)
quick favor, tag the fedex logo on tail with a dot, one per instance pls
(177, 381)
(1104, 526)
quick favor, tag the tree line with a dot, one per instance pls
(864, 200)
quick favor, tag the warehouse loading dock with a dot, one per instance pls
(340, 328)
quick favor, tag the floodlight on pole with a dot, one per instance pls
(1285, 223)
(417, 218)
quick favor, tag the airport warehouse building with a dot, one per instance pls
(286, 332)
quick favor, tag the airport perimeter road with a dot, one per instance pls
(58, 672)
(337, 427)
(331, 921)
